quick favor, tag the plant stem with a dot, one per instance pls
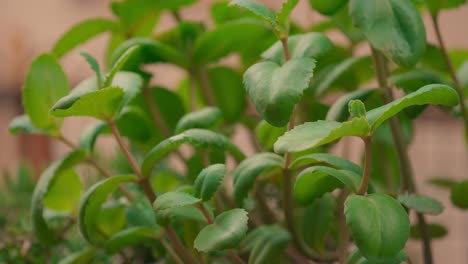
(453, 75)
(202, 76)
(343, 228)
(91, 160)
(367, 165)
(406, 172)
(288, 202)
(144, 183)
(171, 252)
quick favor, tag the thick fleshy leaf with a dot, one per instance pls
(436, 231)
(221, 13)
(42, 231)
(171, 200)
(325, 159)
(227, 231)
(90, 135)
(265, 243)
(228, 38)
(411, 81)
(310, 45)
(435, 6)
(252, 168)
(91, 204)
(275, 89)
(459, 195)
(257, 9)
(208, 181)
(132, 236)
(207, 118)
(356, 257)
(379, 225)
(283, 17)
(339, 110)
(438, 94)
(317, 221)
(23, 124)
(314, 134)
(268, 134)
(325, 79)
(118, 64)
(462, 74)
(95, 67)
(87, 100)
(327, 7)
(314, 182)
(64, 191)
(196, 137)
(45, 83)
(394, 27)
(227, 88)
(81, 257)
(421, 204)
(149, 51)
(111, 219)
(81, 33)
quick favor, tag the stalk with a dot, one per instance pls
(453, 75)
(406, 172)
(145, 185)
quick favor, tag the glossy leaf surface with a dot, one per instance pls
(208, 181)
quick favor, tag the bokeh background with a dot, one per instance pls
(30, 27)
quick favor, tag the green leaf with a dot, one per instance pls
(81, 257)
(118, 64)
(132, 236)
(379, 225)
(268, 134)
(22, 124)
(314, 182)
(459, 195)
(174, 4)
(196, 137)
(462, 74)
(231, 37)
(250, 169)
(283, 17)
(90, 135)
(171, 200)
(435, 6)
(87, 100)
(221, 13)
(149, 51)
(421, 204)
(91, 204)
(228, 91)
(325, 159)
(310, 45)
(94, 66)
(392, 26)
(436, 231)
(317, 221)
(324, 80)
(111, 219)
(327, 7)
(207, 118)
(444, 183)
(356, 257)
(314, 134)
(411, 81)
(227, 231)
(41, 229)
(275, 89)
(64, 191)
(45, 84)
(257, 9)
(208, 181)
(137, 17)
(266, 244)
(339, 110)
(430, 94)
(81, 33)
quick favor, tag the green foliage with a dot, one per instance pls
(227, 231)
(265, 82)
(327, 7)
(208, 181)
(207, 118)
(266, 244)
(45, 84)
(90, 207)
(458, 196)
(422, 204)
(378, 224)
(393, 27)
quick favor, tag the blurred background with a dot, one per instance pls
(28, 28)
